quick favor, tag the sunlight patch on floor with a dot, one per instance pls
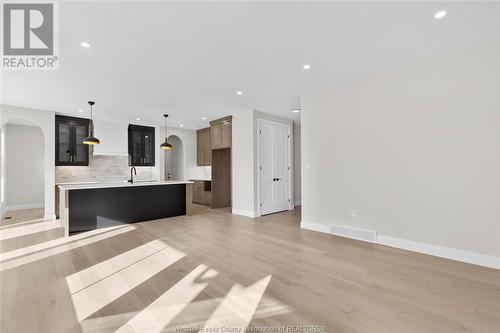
(166, 307)
(94, 297)
(6, 225)
(25, 230)
(100, 271)
(239, 305)
(36, 252)
(196, 314)
(107, 323)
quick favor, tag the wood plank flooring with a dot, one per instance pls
(225, 272)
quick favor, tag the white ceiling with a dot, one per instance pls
(188, 59)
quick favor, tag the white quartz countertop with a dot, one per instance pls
(77, 183)
(120, 184)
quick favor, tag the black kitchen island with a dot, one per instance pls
(93, 206)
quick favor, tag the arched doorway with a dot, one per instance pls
(174, 159)
(23, 168)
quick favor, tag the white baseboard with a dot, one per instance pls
(433, 250)
(247, 213)
(297, 203)
(315, 226)
(49, 217)
(441, 251)
(26, 206)
(355, 233)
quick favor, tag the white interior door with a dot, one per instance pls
(274, 148)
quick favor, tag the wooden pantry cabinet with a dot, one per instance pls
(203, 148)
(221, 133)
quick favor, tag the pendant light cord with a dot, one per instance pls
(91, 121)
(166, 115)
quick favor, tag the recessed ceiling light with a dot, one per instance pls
(440, 14)
(239, 92)
(204, 118)
(137, 118)
(80, 110)
(295, 110)
(182, 125)
(307, 67)
(85, 44)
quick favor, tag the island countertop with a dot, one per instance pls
(120, 184)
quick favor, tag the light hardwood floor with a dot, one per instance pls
(215, 269)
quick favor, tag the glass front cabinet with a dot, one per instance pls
(141, 145)
(70, 132)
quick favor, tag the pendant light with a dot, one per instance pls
(165, 145)
(91, 140)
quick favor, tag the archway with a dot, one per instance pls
(174, 159)
(23, 168)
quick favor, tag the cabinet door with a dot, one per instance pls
(199, 149)
(216, 136)
(203, 148)
(221, 135)
(70, 132)
(207, 149)
(141, 145)
(226, 135)
(148, 154)
(63, 143)
(80, 150)
(135, 146)
(198, 192)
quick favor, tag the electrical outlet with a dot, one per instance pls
(354, 212)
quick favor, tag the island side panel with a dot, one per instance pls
(64, 210)
(189, 199)
(102, 207)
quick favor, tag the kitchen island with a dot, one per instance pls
(87, 207)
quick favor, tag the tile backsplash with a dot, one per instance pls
(102, 168)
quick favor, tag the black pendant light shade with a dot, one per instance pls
(165, 145)
(91, 140)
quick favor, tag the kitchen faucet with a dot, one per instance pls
(131, 180)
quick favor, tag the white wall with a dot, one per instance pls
(24, 153)
(297, 189)
(46, 121)
(2, 168)
(243, 192)
(113, 137)
(415, 152)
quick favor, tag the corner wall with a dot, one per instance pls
(297, 181)
(46, 121)
(412, 155)
(242, 151)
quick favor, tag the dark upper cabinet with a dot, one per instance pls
(70, 132)
(141, 145)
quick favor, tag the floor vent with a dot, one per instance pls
(356, 233)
